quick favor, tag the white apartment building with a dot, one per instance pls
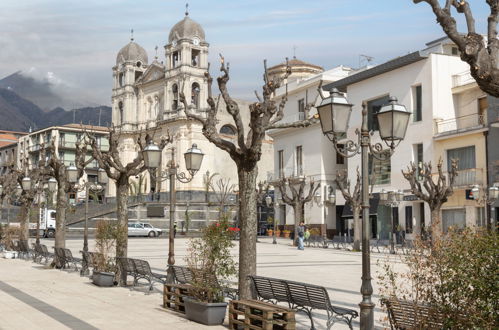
(448, 121)
(66, 137)
(305, 152)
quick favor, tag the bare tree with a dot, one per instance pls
(120, 173)
(56, 168)
(353, 198)
(222, 188)
(433, 191)
(207, 182)
(298, 198)
(481, 55)
(246, 152)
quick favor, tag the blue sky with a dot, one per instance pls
(77, 41)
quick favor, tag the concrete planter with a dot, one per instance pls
(205, 313)
(105, 279)
(10, 254)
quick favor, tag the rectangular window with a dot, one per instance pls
(301, 109)
(380, 170)
(299, 161)
(280, 158)
(465, 157)
(373, 108)
(408, 219)
(483, 105)
(340, 160)
(417, 106)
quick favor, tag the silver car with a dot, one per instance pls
(143, 229)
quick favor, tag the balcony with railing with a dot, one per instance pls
(462, 79)
(460, 124)
(466, 178)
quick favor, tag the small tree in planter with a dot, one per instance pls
(107, 234)
(212, 265)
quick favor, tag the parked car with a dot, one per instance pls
(143, 229)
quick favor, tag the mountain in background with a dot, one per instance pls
(19, 114)
(45, 90)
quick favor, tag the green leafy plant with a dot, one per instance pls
(458, 276)
(210, 261)
(107, 236)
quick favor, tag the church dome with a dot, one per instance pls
(186, 29)
(132, 52)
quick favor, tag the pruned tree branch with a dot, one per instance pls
(483, 57)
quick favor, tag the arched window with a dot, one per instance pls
(195, 95)
(121, 114)
(121, 79)
(228, 130)
(175, 97)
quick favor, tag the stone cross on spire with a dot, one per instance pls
(187, 9)
(131, 35)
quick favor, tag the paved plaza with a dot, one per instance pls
(33, 297)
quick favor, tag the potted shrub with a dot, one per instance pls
(212, 265)
(278, 233)
(9, 233)
(270, 232)
(105, 241)
(286, 233)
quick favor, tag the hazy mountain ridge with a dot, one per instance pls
(19, 114)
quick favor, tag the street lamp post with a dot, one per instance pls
(193, 158)
(268, 202)
(487, 196)
(393, 118)
(391, 199)
(72, 174)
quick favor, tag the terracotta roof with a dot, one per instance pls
(6, 143)
(296, 62)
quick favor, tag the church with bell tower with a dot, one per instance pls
(145, 98)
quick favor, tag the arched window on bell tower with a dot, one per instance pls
(195, 91)
(175, 97)
(120, 111)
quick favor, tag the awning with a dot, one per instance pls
(373, 207)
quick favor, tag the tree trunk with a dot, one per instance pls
(60, 217)
(122, 215)
(357, 228)
(248, 225)
(436, 225)
(298, 210)
(24, 222)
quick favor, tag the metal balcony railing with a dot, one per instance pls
(460, 124)
(467, 177)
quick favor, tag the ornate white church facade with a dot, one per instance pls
(145, 98)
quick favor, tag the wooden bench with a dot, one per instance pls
(302, 297)
(254, 314)
(405, 314)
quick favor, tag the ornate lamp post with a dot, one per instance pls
(193, 159)
(268, 202)
(334, 114)
(392, 199)
(486, 196)
(72, 174)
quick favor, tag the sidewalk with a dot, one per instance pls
(33, 297)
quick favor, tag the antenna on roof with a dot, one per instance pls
(187, 9)
(365, 60)
(131, 35)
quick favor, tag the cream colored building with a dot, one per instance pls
(146, 97)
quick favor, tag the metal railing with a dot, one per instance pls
(467, 177)
(460, 124)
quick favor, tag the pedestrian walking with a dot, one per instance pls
(301, 235)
